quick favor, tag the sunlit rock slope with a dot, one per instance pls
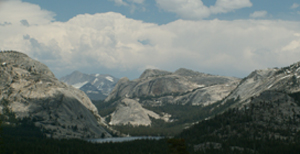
(30, 90)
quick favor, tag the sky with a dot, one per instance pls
(125, 37)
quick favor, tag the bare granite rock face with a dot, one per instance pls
(129, 111)
(154, 73)
(30, 90)
(285, 79)
(181, 87)
(158, 88)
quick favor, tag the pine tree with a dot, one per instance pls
(1, 137)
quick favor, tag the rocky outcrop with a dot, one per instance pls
(96, 86)
(181, 87)
(157, 88)
(285, 79)
(30, 90)
(272, 116)
(129, 111)
(154, 73)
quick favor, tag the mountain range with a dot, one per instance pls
(264, 104)
(262, 116)
(268, 123)
(162, 100)
(96, 86)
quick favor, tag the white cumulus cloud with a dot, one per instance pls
(16, 11)
(120, 2)
(137, 1)
(132, 4)
(258, 14)
(128, 2)
(295, 5)
(195, 9)
(113, 42)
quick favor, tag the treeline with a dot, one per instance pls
(104, 108)
(26, 138)
(256, 128)
(22, 137)
(182, 117)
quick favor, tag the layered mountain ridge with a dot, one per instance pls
(188, 97)
(156, 88)
(268, 123)
(96, 86)
(284, 79)
(261, 115)
(173, 86)
(158, 99)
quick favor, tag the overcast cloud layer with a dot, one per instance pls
(110, 41)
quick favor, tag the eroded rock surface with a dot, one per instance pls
(184, 86)
(30, 90)
(285, 79)
(129, 111)
(159, 88)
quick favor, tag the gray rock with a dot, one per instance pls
(153, 73)
(33, 92)
(158, 88)
(129, 111)
(92, 92)
(181, 87)
(96, 86)
(285, 79)
(188, 72)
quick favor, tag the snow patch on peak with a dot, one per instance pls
(285, 77)
(96, 75)
(80, 84)
(95, 81)
(109, 79)
(201, 86)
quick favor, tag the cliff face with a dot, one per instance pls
(279, 79)
(30, 90)
(264, 109)
(131, 112)
(184, 86)
(270, 119)
(157, 88)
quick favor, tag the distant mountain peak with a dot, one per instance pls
(187, 72)
(76, 73)
(103, 82)
(159, 88)
(109, 78)
(153, 72)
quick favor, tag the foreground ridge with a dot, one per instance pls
(30, 91)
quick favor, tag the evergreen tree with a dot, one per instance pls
(1, 137)
(177, 146)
